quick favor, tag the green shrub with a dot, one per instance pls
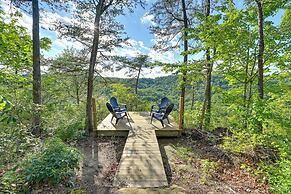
(72, 131)
(191, 118)
(15, 141)
(54, 163)
(126, 95)
(208, 168)
(278, 175)
(12, 182)
(242, 142)
(183, 153)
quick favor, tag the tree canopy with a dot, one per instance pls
(229, 81)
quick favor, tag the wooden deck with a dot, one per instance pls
(141, 162)
(106, 128)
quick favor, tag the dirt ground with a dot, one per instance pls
(193, 164)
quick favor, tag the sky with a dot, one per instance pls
(136, 26)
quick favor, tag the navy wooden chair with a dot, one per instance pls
(161, 116)
(160, 108)
(116, 114)
(116, 106)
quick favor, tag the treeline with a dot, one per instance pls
(235, 74)
(153, 89)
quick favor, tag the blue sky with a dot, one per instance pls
(136, 26)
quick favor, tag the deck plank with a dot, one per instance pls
(141, 162)
(138, 120)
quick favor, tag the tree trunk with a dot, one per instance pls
(208, 90)
(193, 97)
(245, 99)
(261, 50)
(89, 120)
(250, 93)
(137, 79)
(184, 73)
(36, 70)
(203, 113)
(78, 95)
(260, 55)
(246, 78)
(206, 110)
(246, 81)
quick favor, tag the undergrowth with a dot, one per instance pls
(55, 162)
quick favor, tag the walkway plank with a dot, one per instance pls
(141, 162)
(137, 120)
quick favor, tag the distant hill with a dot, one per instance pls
(153, 89)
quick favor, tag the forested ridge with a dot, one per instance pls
(230, 87)
(154, 89)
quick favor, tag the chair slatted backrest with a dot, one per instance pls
(109, 107)
(168, 110)
(164, 102)
(113, 102)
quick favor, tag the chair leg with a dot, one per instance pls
(111, 118)
(168, 120)
(152, 119)
(126, 114)
(116, 121)
(162, 123)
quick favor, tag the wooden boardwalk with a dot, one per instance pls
(141, 162)
(106, 128)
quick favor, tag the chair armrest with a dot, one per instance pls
(159, 114)
(123, 109)
(116, 109)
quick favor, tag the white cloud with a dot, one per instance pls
(146, 73)
(164, 57)
(25, 20)
(46, 21)
(64, 43)
(148, 19)
(48, 18)
(134, 47)
(131, 48)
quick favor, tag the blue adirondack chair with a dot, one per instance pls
(160, 108)
(116, 106)
(115, 114)
(161, 116)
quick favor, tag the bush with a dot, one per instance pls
(242, 142)
(15, 141)
(56, 117)
(278, 174)
(72, 131)
(54, 163)
(13, 182)
(126, 95)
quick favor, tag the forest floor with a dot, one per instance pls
(193, 164)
